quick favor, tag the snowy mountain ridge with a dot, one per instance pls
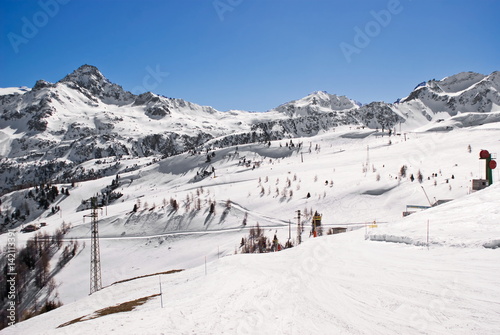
(466, 92)
(46, 132)
(317, 102)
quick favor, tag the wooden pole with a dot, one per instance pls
(161, 293)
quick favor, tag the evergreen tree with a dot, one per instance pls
(402, 171)
(420, 177)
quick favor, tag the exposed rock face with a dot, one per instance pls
(466, 92)
(89, 78)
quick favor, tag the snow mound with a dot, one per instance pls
(471, 221)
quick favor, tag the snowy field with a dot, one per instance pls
(439, 277)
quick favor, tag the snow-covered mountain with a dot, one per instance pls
(317, 103)
(464, 93)
(55, 127)
(340, 110)
(430, 272)
(47, 132)
(183, 184)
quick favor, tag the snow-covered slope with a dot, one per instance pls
(342, 284)
(466, 92)
(58, 126)
(349, 283)
(228, 171)
(47, 132)
(468, 222)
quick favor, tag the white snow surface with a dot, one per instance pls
(14, 90)
(444, 282)
(332, 285)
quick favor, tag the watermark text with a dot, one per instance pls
(11, 279)
(31, 27)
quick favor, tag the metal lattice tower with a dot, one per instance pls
(95, 259)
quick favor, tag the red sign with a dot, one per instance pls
(484, 154)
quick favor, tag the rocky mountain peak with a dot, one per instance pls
(89, 77)
(317, 102)
(86, 76)
(42, 84)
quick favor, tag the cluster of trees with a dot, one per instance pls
(292, 145)
(192, 202)
(403, 173)
(257, 242)
(24, 175)
(285, 191)
(41, 196)
(46, 194)
(35, 287)
(108, 194)
(106, 197)
(420, 177)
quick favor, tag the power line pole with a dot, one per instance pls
(95, 259)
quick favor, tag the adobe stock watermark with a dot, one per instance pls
(292, 283)
(373, 28)
(31, 27)
(151, 80)
(437, 309)
(426, 146)
(223, 6)
(11, 279)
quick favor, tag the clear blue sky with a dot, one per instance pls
(251, 54)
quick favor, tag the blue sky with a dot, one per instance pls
(251, 54)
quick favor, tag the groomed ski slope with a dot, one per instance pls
(339, 284)
(353, 283)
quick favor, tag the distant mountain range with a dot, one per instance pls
(48, 131)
